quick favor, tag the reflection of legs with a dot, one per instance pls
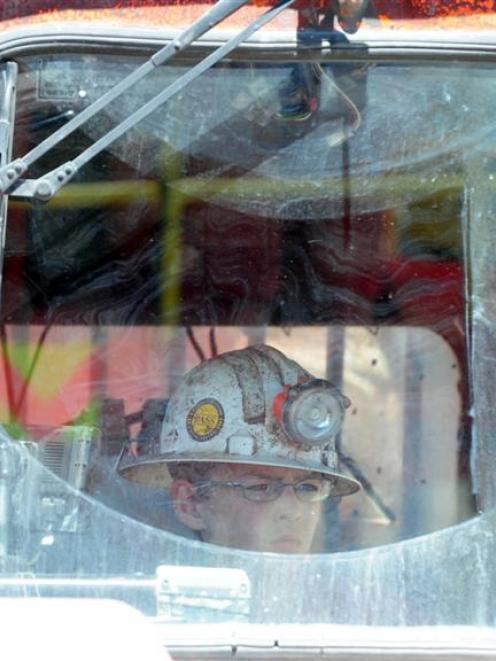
(335, 91)
(299, 96)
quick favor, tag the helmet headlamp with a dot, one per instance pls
(311, 413)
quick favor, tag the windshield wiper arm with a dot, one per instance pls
(45, 188)
(11, 172)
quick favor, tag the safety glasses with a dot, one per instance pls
(263, 490)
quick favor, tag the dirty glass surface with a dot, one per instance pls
(326, 209)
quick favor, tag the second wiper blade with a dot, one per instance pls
(46, 187)
(11, 172)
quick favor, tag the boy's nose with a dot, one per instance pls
(288, 503)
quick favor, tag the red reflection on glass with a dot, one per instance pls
(21, 8)
(24, 8)
(392, 9)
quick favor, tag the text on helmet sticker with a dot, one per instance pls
(205, 420)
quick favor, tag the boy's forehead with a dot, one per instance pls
(276, 472)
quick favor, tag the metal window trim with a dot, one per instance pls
(366, 44)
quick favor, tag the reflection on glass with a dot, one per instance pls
(300, 207)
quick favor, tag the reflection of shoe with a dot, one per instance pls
(298, 112)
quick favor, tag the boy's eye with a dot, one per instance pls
(310, 486)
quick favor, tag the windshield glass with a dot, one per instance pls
(241, 333)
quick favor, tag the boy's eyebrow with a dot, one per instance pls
(244, 476)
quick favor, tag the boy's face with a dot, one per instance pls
(226, 517)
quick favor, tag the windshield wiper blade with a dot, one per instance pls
(45, 187)
(11, 172)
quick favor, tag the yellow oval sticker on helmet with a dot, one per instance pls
(205, 420)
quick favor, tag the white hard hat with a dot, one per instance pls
(252, 406)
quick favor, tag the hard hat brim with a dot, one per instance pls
(153, 471)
